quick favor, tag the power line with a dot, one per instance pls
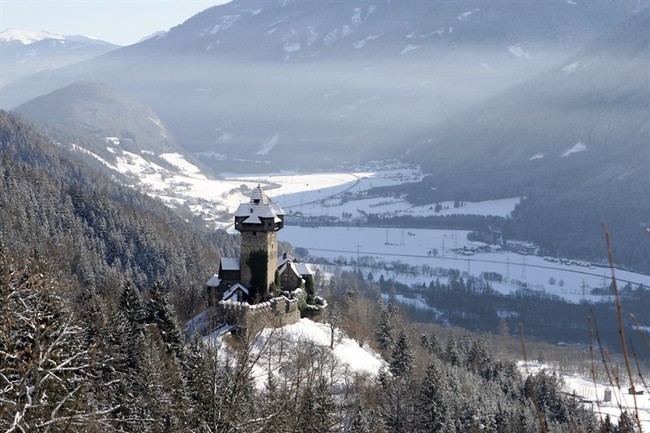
(474, 260)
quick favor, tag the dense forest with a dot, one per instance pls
(470, 303)
(84, 362)
(90, 227)
(95, 279)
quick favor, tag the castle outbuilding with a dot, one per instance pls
(255, 280)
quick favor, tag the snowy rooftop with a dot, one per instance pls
(228, 293)
(229, 264)
(259, 206)
(285, 258)
(213, 282)
(288, 260)
(302, 269)
(288, 265)
(259, 197)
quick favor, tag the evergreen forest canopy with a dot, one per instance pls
(89, 339)
(101, 365)
(92, 229)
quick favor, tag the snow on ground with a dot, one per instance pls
(333, 194)
(592, 394)
(573, 282)
(275, 348)
(518, 51)
(465, 15)
(271, 142)
(362, 43)
(346, 350)
(570, 68)
(390, 206)
(27, 37)
(595, 392)
(409, 48)
(178, 160)
(578, 147)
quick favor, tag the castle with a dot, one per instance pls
(258, 287)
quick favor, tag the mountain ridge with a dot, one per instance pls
(573, 141)
(332, 75)
(103, 112)
(25, 53)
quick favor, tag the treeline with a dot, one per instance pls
(563, 223)
(472, 304)
(569, 224)
(452, 222)
(90, 227)
(101, 365)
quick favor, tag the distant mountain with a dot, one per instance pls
(25, 53)
(312, 83)
(574, 140)
(100, 111)
(27, 37)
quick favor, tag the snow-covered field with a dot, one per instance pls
(313, 194)
(341, 192)
(593, 395)
(412, 246)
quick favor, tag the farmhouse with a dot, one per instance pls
(258, 283)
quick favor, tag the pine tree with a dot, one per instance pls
(384, 332)
(363, 420)
(317, 408)
(401, 362)
(397, 404)
(161, 313)
(310, 288)
(131, 305)
(431, 401)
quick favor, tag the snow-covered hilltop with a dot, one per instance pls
(26, 52)
(27, 37)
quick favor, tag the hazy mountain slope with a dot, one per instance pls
(92, 228)
(102, 112)
(313, 83)
(576, 140)
(26, 53)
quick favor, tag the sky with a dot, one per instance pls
(121, 22)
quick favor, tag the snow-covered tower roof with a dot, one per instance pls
(259, 214)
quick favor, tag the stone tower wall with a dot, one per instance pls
(258, 241)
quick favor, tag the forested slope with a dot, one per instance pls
(97, 367)
(82, 349)
(573, 141)
(90, 227)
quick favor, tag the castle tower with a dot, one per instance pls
(258, 221)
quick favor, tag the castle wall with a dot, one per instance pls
(258, 241)
(251, 319)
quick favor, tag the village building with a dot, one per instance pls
(258, 280)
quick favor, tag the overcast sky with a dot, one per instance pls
(120, 22)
